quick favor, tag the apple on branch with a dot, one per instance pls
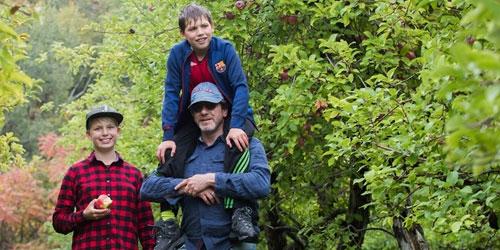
(103, 202)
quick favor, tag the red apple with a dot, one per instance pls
(292, 19)
(300, 141)
(240, 4)
(410, 55)
(284, 75)
(470, 40)
(103, 202)
(229, 15)
(307, 127)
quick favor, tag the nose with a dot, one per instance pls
(204, 110)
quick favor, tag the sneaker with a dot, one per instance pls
(166, 233)
(242, 227)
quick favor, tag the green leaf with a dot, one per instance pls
(4, 28)
(455, 226)
(452, 178)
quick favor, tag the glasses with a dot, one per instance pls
(199, 106)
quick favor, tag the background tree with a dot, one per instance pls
(15, 86)
(60, 23)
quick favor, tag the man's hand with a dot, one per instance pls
(92, 213)
(164, 145)
(208, 196)
(239, 137)
(196, 184)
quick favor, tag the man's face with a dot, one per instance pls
(103, 132)
(198, 33)
(209, 117)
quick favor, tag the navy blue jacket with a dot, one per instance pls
(225, 67)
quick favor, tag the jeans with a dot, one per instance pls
(244, 246)
(237, 246)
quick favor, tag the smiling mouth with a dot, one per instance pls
(201, 40)
(107, 140)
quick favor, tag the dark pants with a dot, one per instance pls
(185, 137)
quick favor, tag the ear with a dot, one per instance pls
(181, 32)
(118, 130)
(224, 112)
(87, 133)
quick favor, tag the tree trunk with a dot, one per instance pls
(276, 239)
(412, 239)
(409, 238)
(357, 217)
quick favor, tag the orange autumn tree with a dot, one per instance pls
(28, 196)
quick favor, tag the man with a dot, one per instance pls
(206, 223)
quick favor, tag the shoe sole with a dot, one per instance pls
(236, 238)
(178, 243)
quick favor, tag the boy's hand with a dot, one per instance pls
(239, 137)
(92, 213)
(164, 145)
(208, 196)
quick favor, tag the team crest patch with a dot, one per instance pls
(220, 67)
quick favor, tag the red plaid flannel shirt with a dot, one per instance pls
(130, 217)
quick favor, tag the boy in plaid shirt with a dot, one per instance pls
(104, 172)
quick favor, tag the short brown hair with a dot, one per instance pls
(193, 12)
(102, 118)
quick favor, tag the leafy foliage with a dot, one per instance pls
(28, 196)
(15, 85)
(60, 23)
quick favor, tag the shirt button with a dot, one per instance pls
(108, 223)
(107, 238)
(107, 180)
(109, 195)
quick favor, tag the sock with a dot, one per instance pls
(167, 214)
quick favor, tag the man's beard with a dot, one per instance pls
(211, 128)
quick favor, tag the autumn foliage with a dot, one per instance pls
(28, 195)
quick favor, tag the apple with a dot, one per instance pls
(240, 4)
(410, 55)
(284, 75)
(470, 40)
(292, 19)
(229, 15)
(307, 127)
(103, 202)
(300, 141)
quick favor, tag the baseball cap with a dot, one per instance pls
(103, 110)
(205, 92)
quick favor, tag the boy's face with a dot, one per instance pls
(103, 132)
(198, 33)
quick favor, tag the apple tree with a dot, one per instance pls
(15, 86)
(368, 131)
